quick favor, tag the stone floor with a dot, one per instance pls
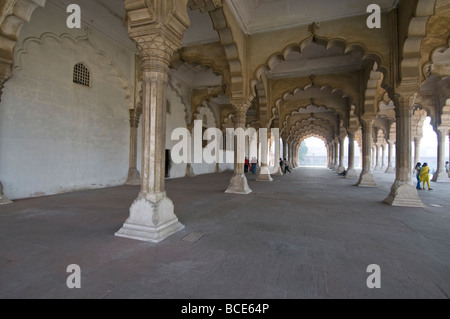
(311, 234)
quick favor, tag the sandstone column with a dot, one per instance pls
(341, 167)
(449, 151)
(351, 172)
(264, 172)
(366, 179)
(158, 37)
(239, 183)
(134, 177)
(390, 169)
(403, 193)
(440, 172)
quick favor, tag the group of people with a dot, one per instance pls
(423, 176)
(251, 165)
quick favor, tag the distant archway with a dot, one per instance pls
(315, 153)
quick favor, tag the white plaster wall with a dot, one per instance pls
(209, 121)
(175, 119)
(57, 136)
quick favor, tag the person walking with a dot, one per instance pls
(425, 176)
(446, 167)
(418, 169)
(286, 167)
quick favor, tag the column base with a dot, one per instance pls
(218, 169)
(377, 168)
(238, 185)
(190, 171)
(134, 177)
(340, 169)
(5, 200)
(150, 221)
(439, 176)
(264, 174)
(351, 173)
(404, 195)
(366, 180)
(278, 172)
(335, 168)
(390, 170)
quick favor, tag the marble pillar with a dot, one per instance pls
(440, 171)
(377, 157)
(390, 169)
(4, 200)
(383, 157)
(417, 142)
(366, 178)
(403, 192)
(336, 155)
(152, 216)
(278, 170)
(239, 183)
(264, 172)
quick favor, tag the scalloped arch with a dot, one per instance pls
(280, 56)
(409, 66)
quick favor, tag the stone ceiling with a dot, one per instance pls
(263, 15)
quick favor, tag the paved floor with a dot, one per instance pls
(311, 234)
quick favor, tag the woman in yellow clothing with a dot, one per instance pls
(425, 176)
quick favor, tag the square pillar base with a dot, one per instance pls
(4, 200)
(150, 221)
(351, 173)
(264, 174)
(134, 177)
(366, 180)
(390, 170)
(404, 195)
(238, 185)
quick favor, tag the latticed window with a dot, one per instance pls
(81, 75)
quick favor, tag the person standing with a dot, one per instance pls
(254, 163)
(425, 176)
(418, 169)
(446, 167)
(246, 165)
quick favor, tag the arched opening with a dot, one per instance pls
(313, 153)
(429, 147)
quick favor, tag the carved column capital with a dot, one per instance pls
(135, 116)
(157, 27)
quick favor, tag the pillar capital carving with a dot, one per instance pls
(157, 27)
(135, 116)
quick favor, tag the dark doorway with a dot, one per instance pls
(168, 163)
